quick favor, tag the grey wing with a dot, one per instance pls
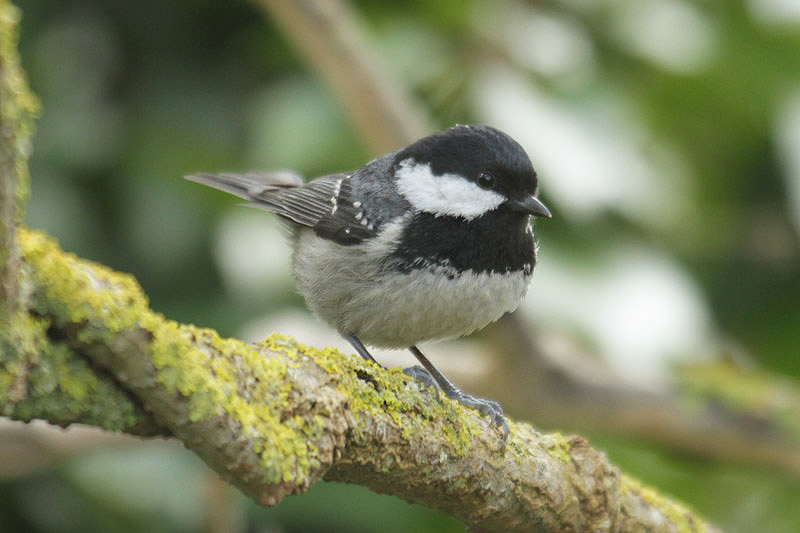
(324, 204)
(250, 184)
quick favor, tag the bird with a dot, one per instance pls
(430, 242)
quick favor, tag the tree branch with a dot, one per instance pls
(714, 410)
(275, 418)
(328, 35)
(80, 344)
(17, 108)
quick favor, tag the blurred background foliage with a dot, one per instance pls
(666, 134)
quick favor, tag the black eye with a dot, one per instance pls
(485, 180)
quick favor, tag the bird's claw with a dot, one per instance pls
(421, 375)
(485, 407)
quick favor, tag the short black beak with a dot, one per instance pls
(530, 205)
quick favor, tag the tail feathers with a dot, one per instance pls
(251, 185)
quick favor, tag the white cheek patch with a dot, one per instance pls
(447, 194)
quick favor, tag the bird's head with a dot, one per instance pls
(468, 171)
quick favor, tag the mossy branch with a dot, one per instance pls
(718, 411)
(78, 343)
(17, 109)
(275, 418)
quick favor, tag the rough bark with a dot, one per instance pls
(78, 343)
(275, 418)
(17, 108)
(716, 411)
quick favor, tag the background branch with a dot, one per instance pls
(713, 410)
(331, 39)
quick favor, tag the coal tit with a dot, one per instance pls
(432, 241)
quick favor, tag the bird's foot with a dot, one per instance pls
(422, 375)
(485, 407)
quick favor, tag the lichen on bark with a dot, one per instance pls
(79, 343)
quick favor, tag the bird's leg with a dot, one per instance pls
(486, 407)
(361, 349)
(416, 372)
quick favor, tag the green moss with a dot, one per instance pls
(375, 390)
(44, 379)
(18, 106)
(105, 303)
(558, 447)
(225, 376)
(678, 515)
(75, 291)
(213, 381)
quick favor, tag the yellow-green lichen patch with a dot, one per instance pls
(282, 344)
(216, 376)
(558, 446)
(379, 391)
(225, 377)
(236, 380)
(48, 380)
(18, 105)
(519, 442)
(73, 291)
(677, 514)
(459, 435)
